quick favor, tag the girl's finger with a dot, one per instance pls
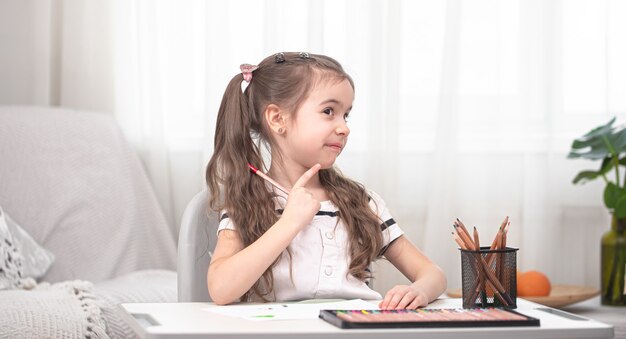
(406, 300)
(414, 304)
(393, 302)
(384, 304)
(386, 300)
(301, 182)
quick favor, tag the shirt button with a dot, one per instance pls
(328, 271)
(330, 235)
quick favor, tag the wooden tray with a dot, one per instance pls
(560, 295)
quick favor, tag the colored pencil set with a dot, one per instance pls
(427, 317)
(488, 273)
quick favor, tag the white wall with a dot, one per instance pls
(56, 53)
(25, 55)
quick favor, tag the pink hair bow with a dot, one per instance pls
(246, 71)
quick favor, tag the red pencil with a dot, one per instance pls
(270, 180)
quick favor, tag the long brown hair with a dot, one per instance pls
(240, 135)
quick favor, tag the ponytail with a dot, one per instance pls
(231, 186)
(232, 144)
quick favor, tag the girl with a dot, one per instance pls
(318, 240)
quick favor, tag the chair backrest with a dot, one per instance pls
(196, 241)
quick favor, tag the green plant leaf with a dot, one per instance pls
(611, 194)
(618, 139)
(593, 145)
(585, 176)
(620, 206)
(588, 175)
(607, 165)
(597, 152)
(582, 143)
(606, 143)
(600, 130)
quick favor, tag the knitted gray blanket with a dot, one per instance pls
(61, 310)
(80, 309)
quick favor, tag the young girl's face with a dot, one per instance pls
(319, 130)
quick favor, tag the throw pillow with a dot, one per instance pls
(10, 258)
(20, 254)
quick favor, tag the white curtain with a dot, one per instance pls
(463, 108)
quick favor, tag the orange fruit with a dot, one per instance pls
(533, 284)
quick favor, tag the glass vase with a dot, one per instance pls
(614, 264)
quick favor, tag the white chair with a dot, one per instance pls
(196, 242)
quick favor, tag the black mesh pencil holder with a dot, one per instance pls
(489, 278)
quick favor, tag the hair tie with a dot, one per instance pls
(279, 58)
(246, 71)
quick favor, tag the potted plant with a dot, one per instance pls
(608, 144)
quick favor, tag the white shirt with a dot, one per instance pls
(320, 257)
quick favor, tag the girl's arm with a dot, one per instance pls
(428, 280)
(234, 269)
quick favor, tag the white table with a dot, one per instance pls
(192, 320)
(612, 315)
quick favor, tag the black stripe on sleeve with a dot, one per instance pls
(384, 249)
(280, 211)
(387, 223)
(326, 213)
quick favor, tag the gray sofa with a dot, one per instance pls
(70, 180)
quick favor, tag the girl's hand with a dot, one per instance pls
(404, 297)
(301, 204)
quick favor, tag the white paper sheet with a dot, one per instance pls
(289, 311)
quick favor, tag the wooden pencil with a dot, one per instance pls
(500, 230)
(473, 265)
(469, 245)
(494, 245)
(498, 234)
(497, 284)
(458, 240)
(481, 270)
(503, 269)
(464, 236)
(462, 226)
(490, 279)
